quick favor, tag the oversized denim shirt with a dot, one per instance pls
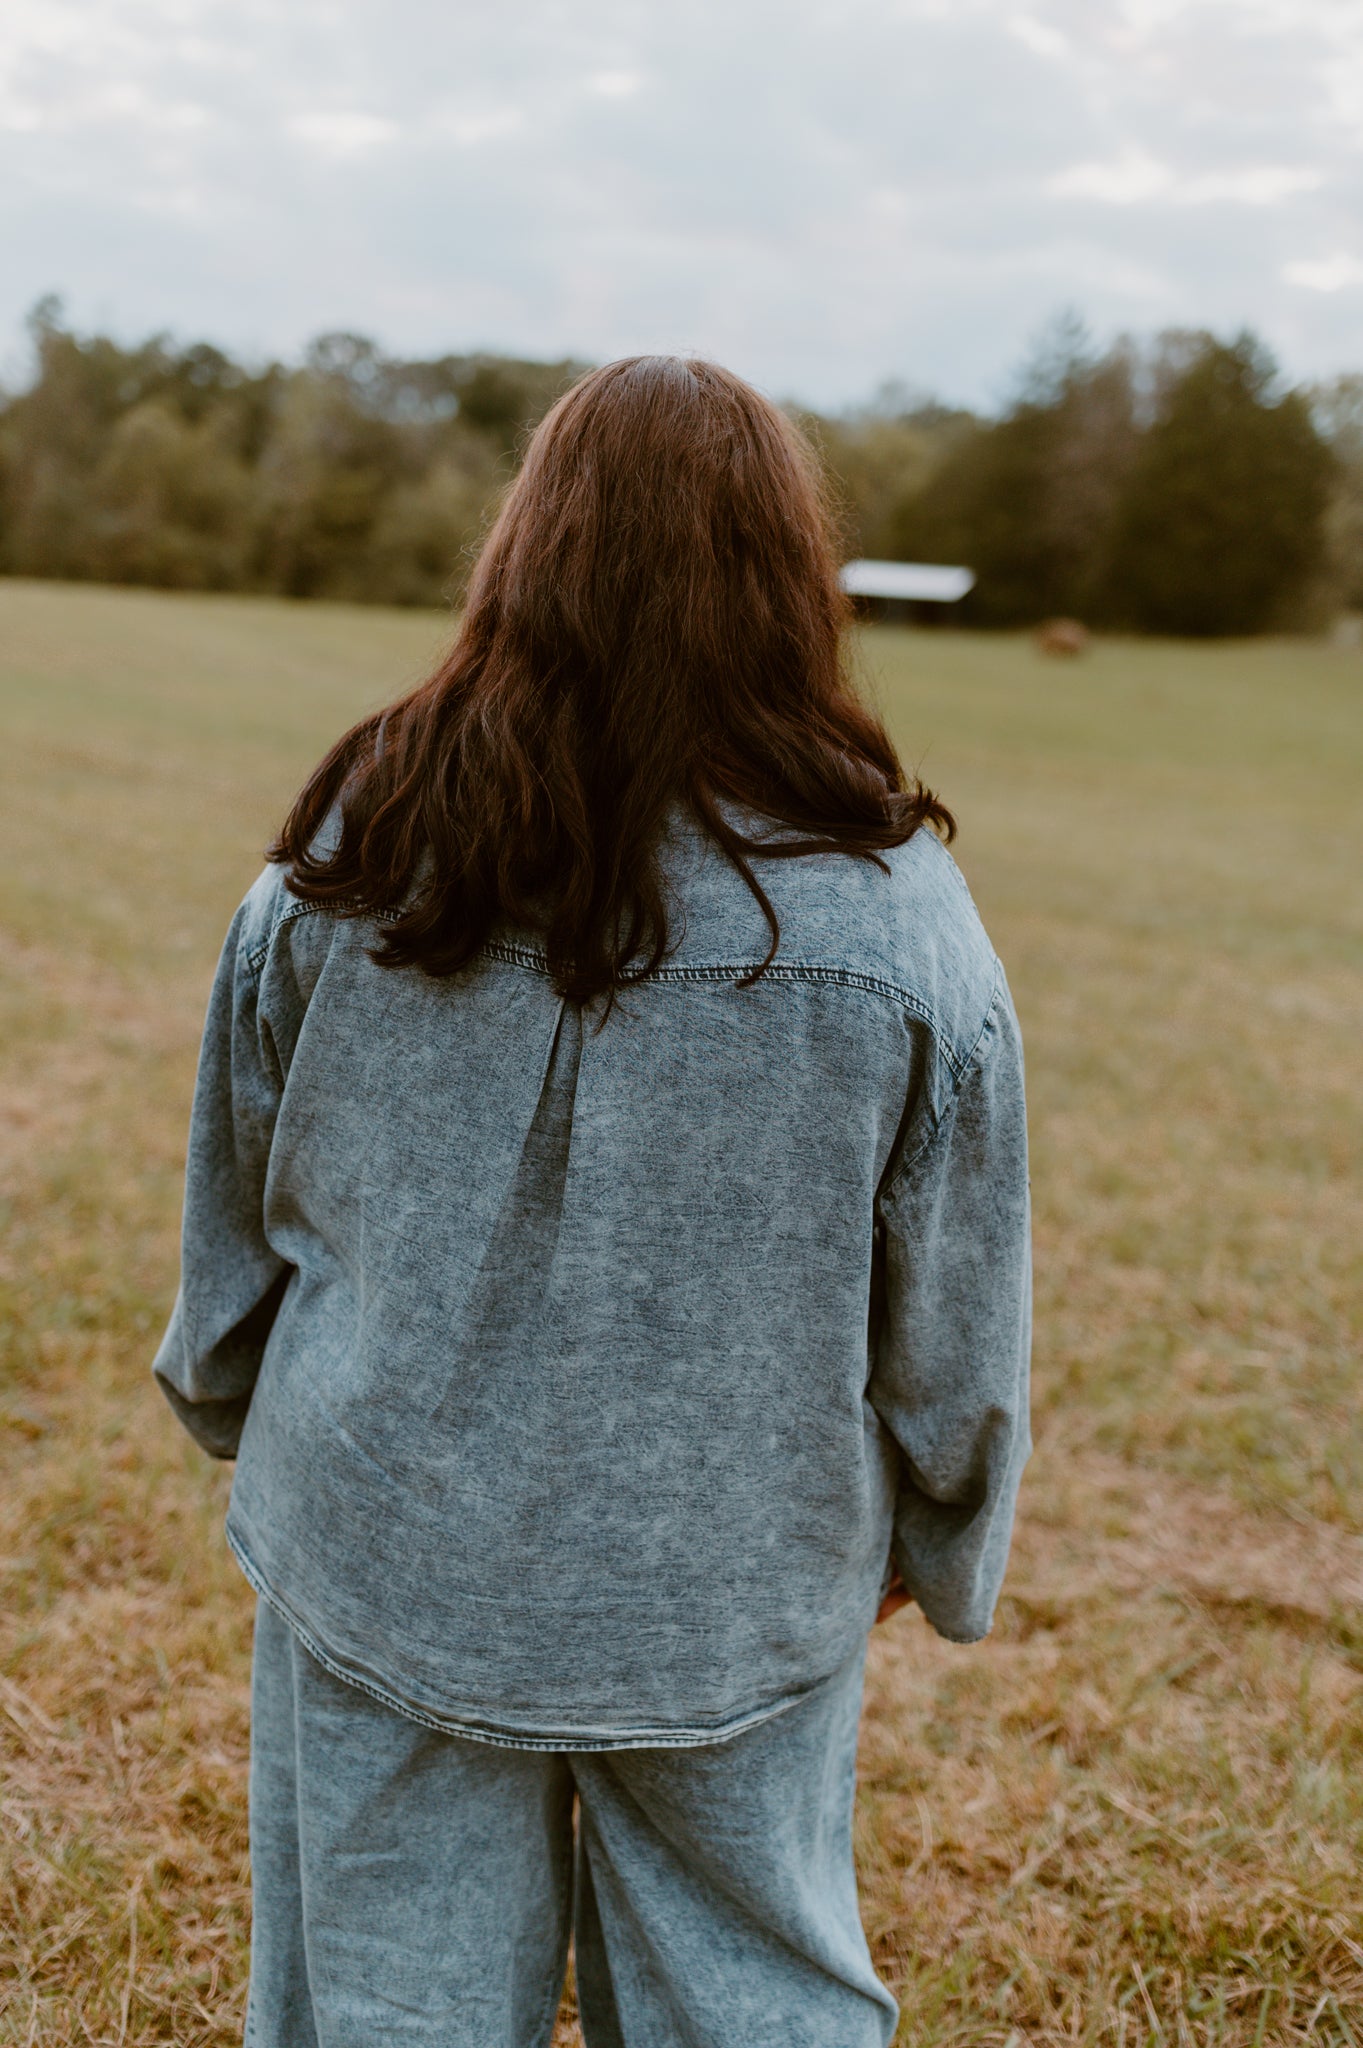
(583, 1378)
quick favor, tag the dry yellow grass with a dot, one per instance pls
(1136, 1815)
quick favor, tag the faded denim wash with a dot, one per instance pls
(580, 1379)
(413, 1887)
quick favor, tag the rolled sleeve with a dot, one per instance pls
(950, 1379)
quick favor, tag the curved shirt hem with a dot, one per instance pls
(500, 1735)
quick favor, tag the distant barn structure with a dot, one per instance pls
(903, 589)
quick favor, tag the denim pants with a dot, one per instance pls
(414, 1887)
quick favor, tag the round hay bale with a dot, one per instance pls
(1063, 638)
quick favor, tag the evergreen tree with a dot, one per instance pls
(1337, 408)
(1027, 501)
(1221, 521)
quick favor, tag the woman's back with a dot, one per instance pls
(606, 1247)
(609, 1352)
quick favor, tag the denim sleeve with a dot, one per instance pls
(231, 1281)
(950, 1380)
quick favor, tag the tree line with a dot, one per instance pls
(1171, 486)
(1167, 487)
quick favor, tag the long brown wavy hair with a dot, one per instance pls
(654, 618)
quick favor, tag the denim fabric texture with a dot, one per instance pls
(413, 1887)
(581, 1377)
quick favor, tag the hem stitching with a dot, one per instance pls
(569, 1739)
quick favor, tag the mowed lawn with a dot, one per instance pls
(1136, 1813)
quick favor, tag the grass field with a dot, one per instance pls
(1136, 1814)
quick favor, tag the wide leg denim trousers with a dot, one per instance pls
(413, 1887)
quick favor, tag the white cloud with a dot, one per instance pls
(1135, 177)
(1040, 37)
(471, 128)
(1124, 181)
(1326, 273)
(616, 85)
(1254, 185)
(341, 131)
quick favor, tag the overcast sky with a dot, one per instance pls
(822, 195)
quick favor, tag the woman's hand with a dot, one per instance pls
(897, 1595)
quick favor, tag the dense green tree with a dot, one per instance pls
(1337, 408)
(425, 538)
(1027, 501)
(879, 454)
(1222, 519)
(168, 503)
(322, 478)
(353, 475)
(129, 464)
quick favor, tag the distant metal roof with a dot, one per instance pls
(930, 582)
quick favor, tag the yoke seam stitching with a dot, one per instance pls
(792, 972)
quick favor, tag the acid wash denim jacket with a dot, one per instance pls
(583, 1379)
